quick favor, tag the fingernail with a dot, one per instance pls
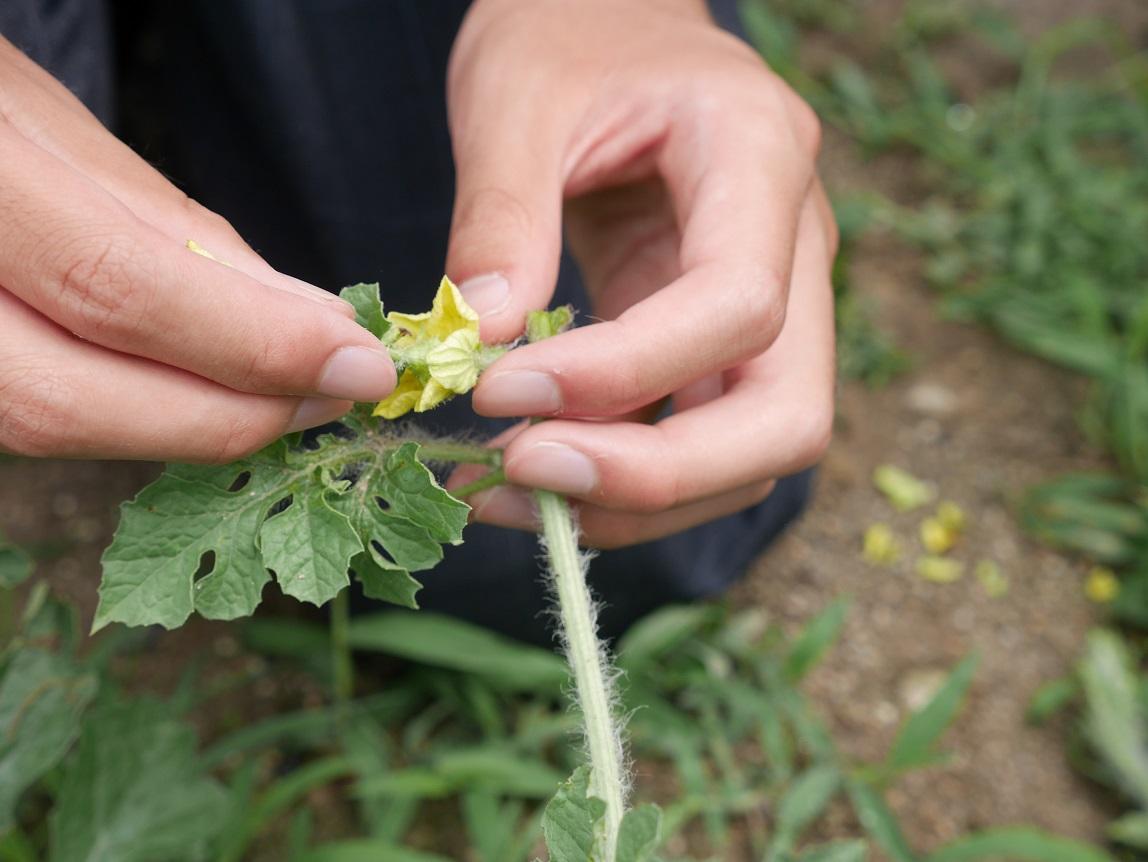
(554, 467)
(518, 393)
(505, 507)
(316, 411)
(486, 294)
(358, 374)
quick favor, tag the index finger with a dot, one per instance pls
(84, 260)
(739, 187)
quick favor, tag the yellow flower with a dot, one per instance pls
(940, 570)
(449, 313)
(441, 348)
(411, 394)
(879, 545)
(904, 490)
(1102, 585)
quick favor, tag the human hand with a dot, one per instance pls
(687, 172)
(117, 341)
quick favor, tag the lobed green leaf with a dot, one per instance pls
(202, 539)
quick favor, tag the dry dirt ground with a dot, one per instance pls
(982, 423)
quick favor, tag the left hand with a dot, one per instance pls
(685, 172)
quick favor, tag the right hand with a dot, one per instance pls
(116, 341)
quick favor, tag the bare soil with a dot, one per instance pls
(982, 423)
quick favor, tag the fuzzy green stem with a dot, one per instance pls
(342, 662)
(585, 655)
(452, 452)
(491, 480)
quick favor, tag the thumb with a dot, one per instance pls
(506, 231)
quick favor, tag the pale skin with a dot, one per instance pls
(680, 167)
(683, 171)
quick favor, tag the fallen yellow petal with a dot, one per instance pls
(936, 537)
(940, 570)
(879, 545)
(1102, 586)
(904, 490)
(951, 516)
(192, 245)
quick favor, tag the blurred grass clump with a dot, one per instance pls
(1029, 205)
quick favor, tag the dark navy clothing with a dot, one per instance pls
(318, 128)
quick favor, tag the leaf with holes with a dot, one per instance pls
(309, 547)
(201, 539)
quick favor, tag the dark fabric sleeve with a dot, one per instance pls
(69, 38)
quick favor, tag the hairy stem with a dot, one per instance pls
(587, 661)
(491, 480)
(453, 452)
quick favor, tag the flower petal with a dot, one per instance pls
(449, 312)
(433, 395)
(403, 399)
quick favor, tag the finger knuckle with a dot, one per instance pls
(759, 491)
(759, 297)
(815, 432)
(807, 127)
(274, 365)
(492, 218)
(623, 385)
(832, 235)
(660, 490)
(658, 495)
(34, 410)
(237, 437)
(211, 221)
(99, 286)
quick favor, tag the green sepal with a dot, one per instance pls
(541, 325)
